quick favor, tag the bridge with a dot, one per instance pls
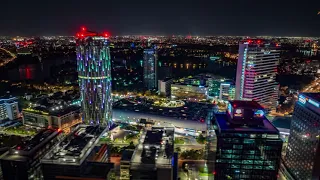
(6, 61)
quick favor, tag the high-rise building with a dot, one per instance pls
(302, 158)
(256, 73)
(248, 145)
(94, 73)
(150, 68)
(9, 108)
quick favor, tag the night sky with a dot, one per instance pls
(161, 17)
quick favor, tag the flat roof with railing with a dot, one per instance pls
(155, 149)
(75, 147)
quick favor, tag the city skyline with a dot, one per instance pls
(167, 18)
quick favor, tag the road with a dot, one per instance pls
(5, 62)
(313, 87)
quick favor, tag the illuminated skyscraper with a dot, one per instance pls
(248, 145)
(303, 151)
(256, 73)
(150, 59)
(94, 73)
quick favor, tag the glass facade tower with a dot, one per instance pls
(302, 158)
(94, 74)
(150, 68)
(256, 73)
(248, 145)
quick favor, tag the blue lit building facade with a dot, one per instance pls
(302, 158)
(150, 59)
(248, 145)
(94, 74)
(256, 72)
(9, 108)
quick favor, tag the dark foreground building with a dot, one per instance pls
(75, 157)
(302, 158)
(23, 161)
(248, 145)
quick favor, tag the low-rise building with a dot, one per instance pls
(154, 156)
(189, 92)
(76, 156)
(62, 118)
(125, 164)
(23, 161)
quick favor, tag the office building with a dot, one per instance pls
(154, 158)
(9, 108)
(150, 59)
(23, 161)
(94, 74)
(164, 87)
(256, 73)
(78, 156)
(248, 145)
(302, 158)
(58, 117)
(227, 91)
(214, 88)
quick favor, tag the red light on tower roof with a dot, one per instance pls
(106, 34)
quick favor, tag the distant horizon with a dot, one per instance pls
(165, 35)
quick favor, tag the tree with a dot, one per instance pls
(201, 139)
(178, 150)
(131, 146)
(147, 93)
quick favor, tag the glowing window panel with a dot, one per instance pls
(313, 103)
(302, 99)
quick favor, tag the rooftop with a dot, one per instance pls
(155, 149)
(36, 140)
(245, 104)
(223, 125)
(57, 112)
(127, 155)
(282, 122)
(27, 149)
(153, 137)
(75, 147)
(314, 96)
(7, 99)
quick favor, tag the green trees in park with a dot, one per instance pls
(192, 154)
(201, 139)
(179, 140)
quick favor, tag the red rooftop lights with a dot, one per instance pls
(85, 33)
